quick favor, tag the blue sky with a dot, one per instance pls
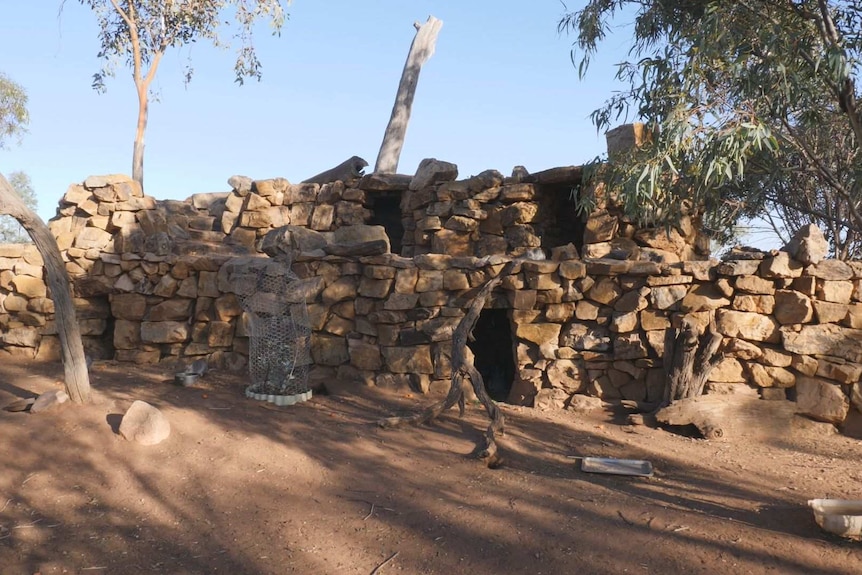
(500, 91)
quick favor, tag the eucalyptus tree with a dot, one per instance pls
(13, 110)
(752, 107)
(138, 33)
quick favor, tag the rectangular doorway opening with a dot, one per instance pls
(492, 349)
(386, 211)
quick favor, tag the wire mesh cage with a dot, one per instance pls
(279, 330)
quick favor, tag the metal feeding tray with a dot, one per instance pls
(611, 466)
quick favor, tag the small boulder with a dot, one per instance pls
(433, 171)
(240, 184)
(144, 424)
(821, 400)
(808, 245)
(49, 400)
(584, 403)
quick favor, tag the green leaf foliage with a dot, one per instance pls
(752, 108)
(143, 30)
(13, 110)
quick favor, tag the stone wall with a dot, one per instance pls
(153, 283)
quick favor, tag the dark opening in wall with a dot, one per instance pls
(563, 223)
(386, 211)
(492, 348)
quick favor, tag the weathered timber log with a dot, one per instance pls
(347, 171)
(421, 49)
(462, 367)
(77, 377)
(717, 416)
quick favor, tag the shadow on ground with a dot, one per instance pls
(248, 488)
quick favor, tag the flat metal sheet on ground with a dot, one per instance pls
(611, 466)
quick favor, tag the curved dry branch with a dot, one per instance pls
(463, 367)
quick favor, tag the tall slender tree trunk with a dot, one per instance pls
(421, 49)
(138, 152)
(74, 363)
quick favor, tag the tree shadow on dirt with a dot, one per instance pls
(245, 487)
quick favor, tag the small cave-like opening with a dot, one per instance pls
(386, 211)
(564, 224)
(492, 348)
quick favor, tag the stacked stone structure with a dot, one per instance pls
(155, 283)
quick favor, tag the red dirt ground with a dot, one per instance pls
(246, 488)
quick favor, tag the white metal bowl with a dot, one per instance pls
(839, 516)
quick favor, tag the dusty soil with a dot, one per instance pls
(245, 488)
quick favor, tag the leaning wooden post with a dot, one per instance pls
(74, 362)
(393, 140)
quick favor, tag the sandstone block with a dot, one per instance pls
(653, 320)
(792, 307)
(738, 267)
(833, 270)
(517, 192)
(775, 357)
(572, 270)
(835, 291)
(624, 322)
(840, 372)
(544, 335)
(770, 376)
(432, 171)
(854, 316)
(413, 359)
(728, 370)
(629, 346)
(601, 227)
(29, 286)
(172, 309)
(220, 334)
(856, 396)
(401, 301)
(755, 285)
(372, 288)
(127, 334)
(164, 332)
(668, 297)
(329, 350)
(585, 338)
(764, 304)
(703, 297)
(808, 245)
(587, 310)
(633, 301)
(746, 325)
(605, 291)
(560, 312)
(780, 266)
(824, 339)
(364, 355)
(827, 312)
(21, 336)
(821, 400)
(804, 364)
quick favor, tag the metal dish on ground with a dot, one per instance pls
(186, 379)
(611, 466)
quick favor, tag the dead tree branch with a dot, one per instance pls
(463, 367)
